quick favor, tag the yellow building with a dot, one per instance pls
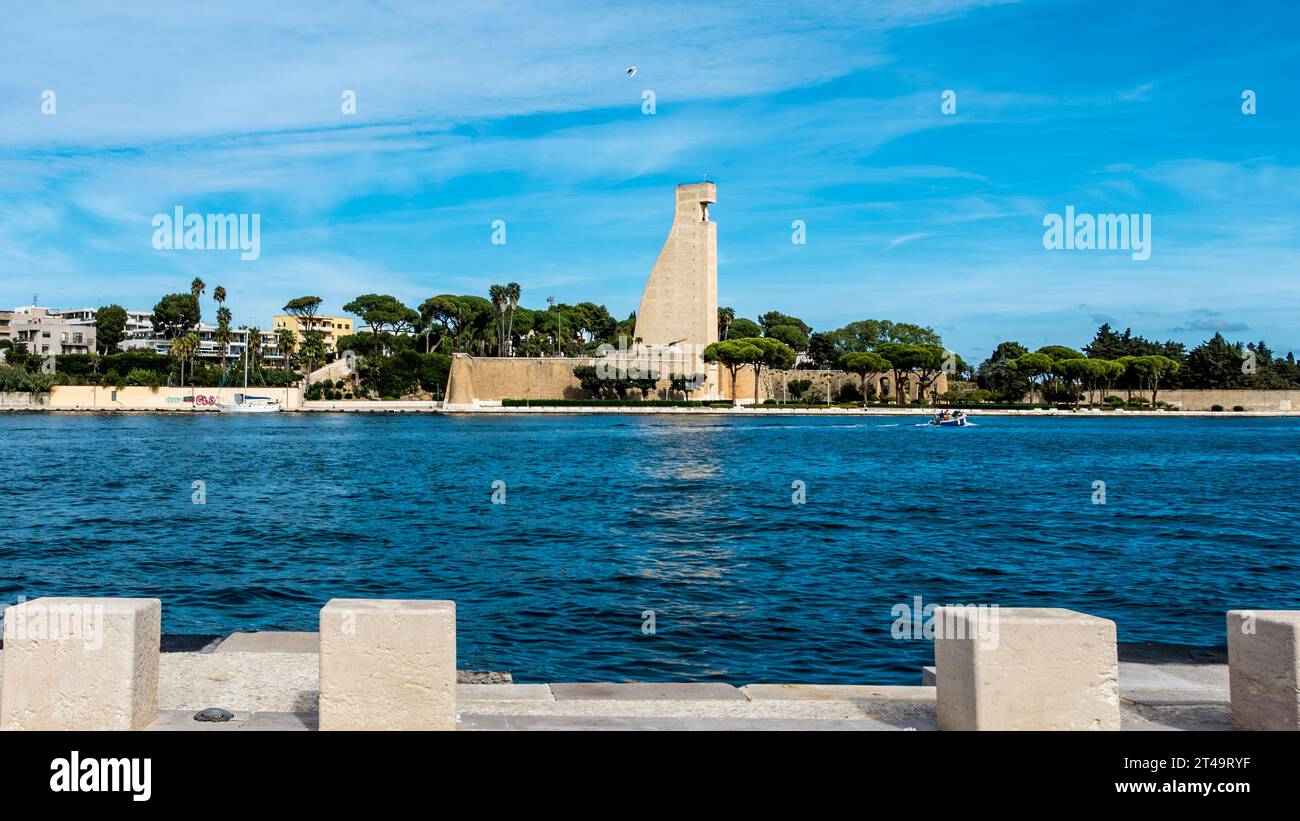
(333, 327)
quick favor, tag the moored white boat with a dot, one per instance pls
(250, 404)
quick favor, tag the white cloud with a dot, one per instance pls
(153, 72)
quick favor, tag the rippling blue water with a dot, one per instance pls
(691, 517)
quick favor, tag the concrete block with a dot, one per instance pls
(1035, 669)
(388, 664)
(1264, 669)
(81, 664)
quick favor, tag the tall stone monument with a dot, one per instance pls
(680, 302)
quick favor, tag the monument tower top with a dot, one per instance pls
(695, 198)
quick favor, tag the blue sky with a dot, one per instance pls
(829, 114)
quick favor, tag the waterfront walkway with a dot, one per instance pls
(926, 411)
(270, 682)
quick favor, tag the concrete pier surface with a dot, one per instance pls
(270, 681)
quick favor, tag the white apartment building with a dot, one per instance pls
(72, 330)
(208, 347)
(136, 321)
(43, 332)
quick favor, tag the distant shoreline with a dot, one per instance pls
(746, 412)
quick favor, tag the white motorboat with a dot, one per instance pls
(943, 420)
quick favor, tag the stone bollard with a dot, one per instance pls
(388, 664)
(1264, 669)
(1025, 668)
(81, 664)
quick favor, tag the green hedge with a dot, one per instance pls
(693, 403)
(769, 405)
(147, 368)
(1010, 406)
(611, 403)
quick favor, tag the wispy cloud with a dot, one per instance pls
(1212, 326)
(897, 241)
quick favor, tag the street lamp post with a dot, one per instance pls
(550, 300)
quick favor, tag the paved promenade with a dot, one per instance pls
(361, 406)
(431, 406)
(270, 680)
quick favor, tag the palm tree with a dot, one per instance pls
(726, 316)
(223, 335)
(286, 340)
(197, 287)
(254, 345)
(253, 351)
(512, 294)
(497, 293)
(184, 347)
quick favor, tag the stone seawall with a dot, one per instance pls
(22, 400)
(1203, 399)
(485, 378)
(776, 384)
(491, 379)
(1250, 400)
(107, 398)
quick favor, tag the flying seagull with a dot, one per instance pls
(631, 72)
